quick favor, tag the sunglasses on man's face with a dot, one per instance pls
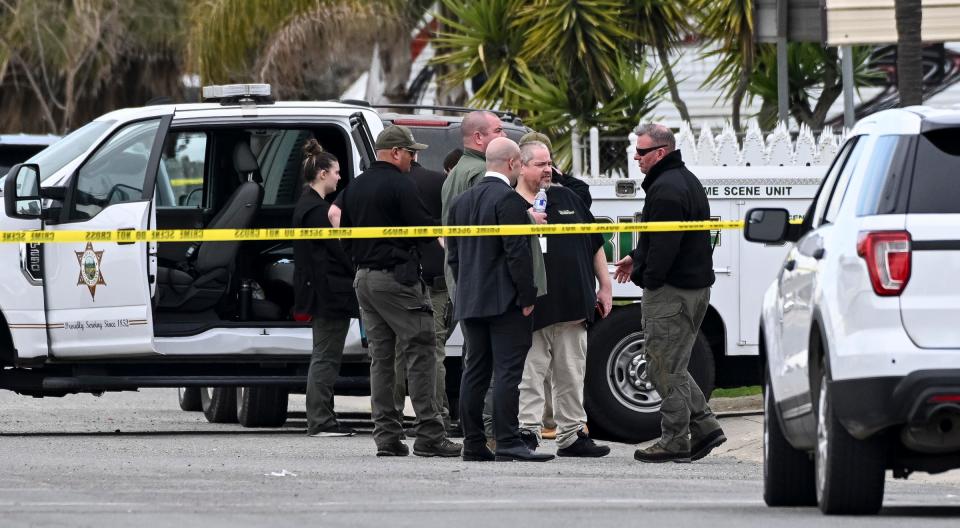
(648, 150)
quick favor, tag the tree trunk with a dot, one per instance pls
(741, 90)
(671, 80)
(909, 52)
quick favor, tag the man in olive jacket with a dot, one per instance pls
(675, 270)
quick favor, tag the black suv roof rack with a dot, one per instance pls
(510, 116)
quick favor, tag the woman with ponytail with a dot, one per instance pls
(323, 276)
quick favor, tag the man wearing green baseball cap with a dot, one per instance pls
(394, 303)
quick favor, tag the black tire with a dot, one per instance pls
(189, 398)
(616, 412)
(849, 473)
(219, 404)
(261, 406)
(788, 475)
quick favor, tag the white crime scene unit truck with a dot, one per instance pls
(215, 318)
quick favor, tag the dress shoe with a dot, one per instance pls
(702, 447)
(395, 449)
(478, 455)
(656, 453)
(529, 439)
(583, 447)
(521, 454)
(444, 448)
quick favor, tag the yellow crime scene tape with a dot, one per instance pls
(182, 182)
(232, 235)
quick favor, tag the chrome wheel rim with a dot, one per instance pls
(627, 375)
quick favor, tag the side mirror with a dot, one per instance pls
(21, 192)
(769, 226)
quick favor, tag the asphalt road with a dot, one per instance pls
(135, 458)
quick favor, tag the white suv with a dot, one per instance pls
(860, 331)
(103, 316)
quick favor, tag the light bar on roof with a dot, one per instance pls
(225, 91)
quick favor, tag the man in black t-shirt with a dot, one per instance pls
(560, 334)
(429, 183)
(395, 308)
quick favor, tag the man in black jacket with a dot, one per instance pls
(675, 270)
(494, 300)
(394, 304)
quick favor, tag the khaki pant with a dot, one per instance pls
(438, 298)
(562, 348)
(399, 317)
(671, 319)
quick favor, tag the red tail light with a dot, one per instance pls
(888, 260)
(945, 398)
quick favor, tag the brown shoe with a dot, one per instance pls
(657, 454)
(549, 434)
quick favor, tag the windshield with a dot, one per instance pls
(58, 155)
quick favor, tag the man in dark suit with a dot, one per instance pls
(494, 300)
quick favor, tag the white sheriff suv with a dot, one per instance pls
(105, 316)
(860, 331)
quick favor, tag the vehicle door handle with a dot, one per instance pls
(790, 265)
(129, 242)
(818, 253)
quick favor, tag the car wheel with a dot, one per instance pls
(261, 406)
(787, 472)
(189, 398)
(850, 473)
(620, 400)
(219, 404)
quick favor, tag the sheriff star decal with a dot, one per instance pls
(90, 269)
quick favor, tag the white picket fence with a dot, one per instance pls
(776, 149)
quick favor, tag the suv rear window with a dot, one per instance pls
(936, 176)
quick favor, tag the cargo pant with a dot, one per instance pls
(329, 335)
(399, 317)
(671, 319)
(438, 298)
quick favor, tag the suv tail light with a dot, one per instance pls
(888, 260)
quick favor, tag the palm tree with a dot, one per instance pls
(478, 41)
(909, 51)
(664, 25)
(557, 60)
(814, 79)
(284, 42)
(730, 24)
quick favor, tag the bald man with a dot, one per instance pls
(479, 129)
(494, 302)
